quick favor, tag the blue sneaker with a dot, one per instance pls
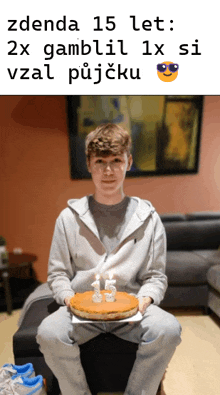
(24, 386)
(9, 371)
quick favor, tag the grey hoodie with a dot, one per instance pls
(77, 254)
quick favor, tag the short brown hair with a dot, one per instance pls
(108, 139)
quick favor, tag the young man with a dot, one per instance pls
(93, 235)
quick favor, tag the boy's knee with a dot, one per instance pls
(171, 331)
(167, 331)
(52, 332)
(46, 333)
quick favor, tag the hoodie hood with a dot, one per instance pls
(81, 207)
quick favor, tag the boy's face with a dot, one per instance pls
(108, 173)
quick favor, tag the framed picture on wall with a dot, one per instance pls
(165, 131)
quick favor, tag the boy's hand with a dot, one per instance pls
(144, 302)
(67, 300)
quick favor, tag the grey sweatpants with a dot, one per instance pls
(158, 334)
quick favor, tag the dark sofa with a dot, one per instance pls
(192, 249)
(193, 259)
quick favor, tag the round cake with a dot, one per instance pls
(124, 306)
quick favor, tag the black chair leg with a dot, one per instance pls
(8, 297)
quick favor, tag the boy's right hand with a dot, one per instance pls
(67, 300)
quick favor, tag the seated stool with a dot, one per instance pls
(106, 359)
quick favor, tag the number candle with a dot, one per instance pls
(96, 297)
(110, 297)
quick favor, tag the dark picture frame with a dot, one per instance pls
(165, 131)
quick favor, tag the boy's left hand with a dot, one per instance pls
(144, 302)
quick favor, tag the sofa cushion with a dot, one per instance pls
(169, 217)
(213, 301)
(192, 235)
(177, 235)
(213, 277)
(185, 267)
(203, 215)
(186, 296)
(212, 256)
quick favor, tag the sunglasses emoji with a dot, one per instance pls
(167, 71)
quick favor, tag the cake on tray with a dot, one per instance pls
(124, 306)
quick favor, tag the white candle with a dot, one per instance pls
(110, 297)
(96, 297)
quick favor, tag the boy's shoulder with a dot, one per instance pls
(144, 204)
(145, 209)
(79, 206)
